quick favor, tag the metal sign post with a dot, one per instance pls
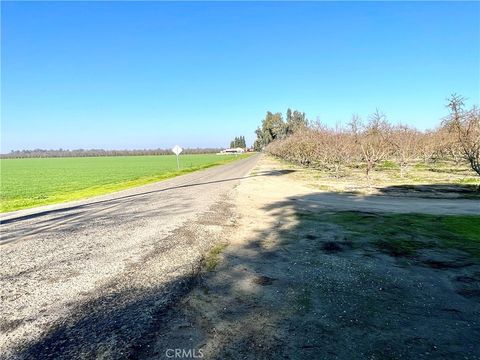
(177, 150)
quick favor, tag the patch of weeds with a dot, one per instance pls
(461, 232)
(400, 248)
(212, 258)
(348, 216)
(422, 165)
(472, 180)
(400, 235)
(388, 165)
(466, 226)
(403, 234)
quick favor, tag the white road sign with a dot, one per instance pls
(177, 150)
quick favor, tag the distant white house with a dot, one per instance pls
(232, 151)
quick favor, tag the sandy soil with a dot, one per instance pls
(298, 287)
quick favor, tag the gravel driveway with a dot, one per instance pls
(87, 278)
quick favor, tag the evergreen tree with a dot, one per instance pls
(289, 115)
(295, 121)
(238, 142)
(273, 127)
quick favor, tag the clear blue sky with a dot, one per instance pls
(153, 74)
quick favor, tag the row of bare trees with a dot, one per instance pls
(367, 144)
(42, 153)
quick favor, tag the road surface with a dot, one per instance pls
(88, 278)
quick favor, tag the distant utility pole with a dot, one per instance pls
(177, 150)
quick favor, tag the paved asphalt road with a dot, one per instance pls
(87, 278)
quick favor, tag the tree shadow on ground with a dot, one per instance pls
(108, 327)
(449, 190)
(307, 287)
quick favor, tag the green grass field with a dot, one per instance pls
(31, 182)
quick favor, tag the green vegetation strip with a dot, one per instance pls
(405, 234)
(32, 182)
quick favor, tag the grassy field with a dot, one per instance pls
(32, 182)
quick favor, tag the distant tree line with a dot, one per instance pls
(40, 153)
(367, 144)
(238, 142)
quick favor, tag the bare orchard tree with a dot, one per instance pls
(449, 147)
(372, 140)
(436, 144)
(429, 145)
(300, 148)
(405, 142)
(321, 138)
(465, 126)
(339, 149)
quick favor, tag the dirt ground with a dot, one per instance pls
(292, 284)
